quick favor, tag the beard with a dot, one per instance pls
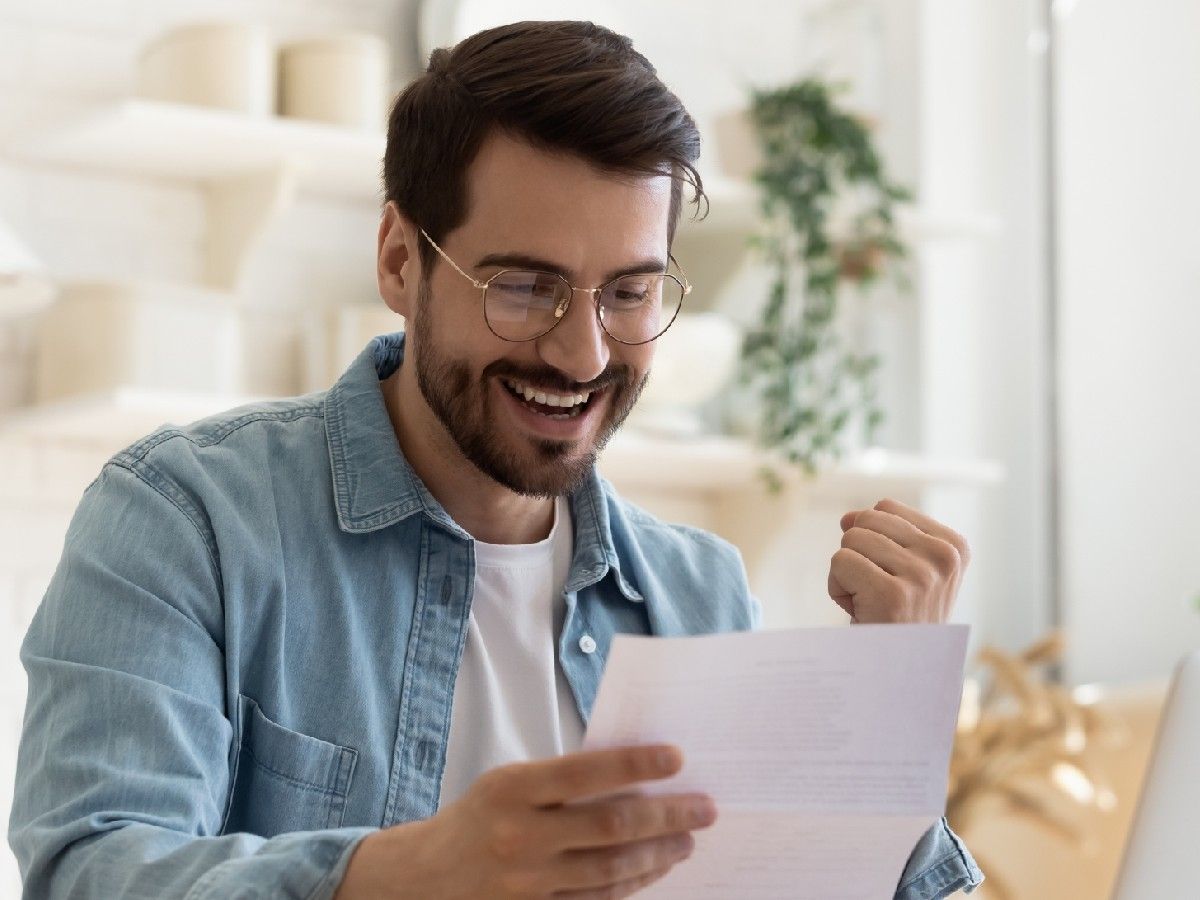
(463, 404)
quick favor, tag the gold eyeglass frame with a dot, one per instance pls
(561, 309)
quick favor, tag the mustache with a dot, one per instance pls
(552, 379)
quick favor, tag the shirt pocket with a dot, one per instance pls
(284, 780)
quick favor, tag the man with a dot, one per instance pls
(345, 644)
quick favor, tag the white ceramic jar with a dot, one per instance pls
(692, 362)
(333, 337)
(105, 335)
(228, 65)
(339, 79)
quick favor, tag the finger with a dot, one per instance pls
(623, 889)
(852, 573)
(850, 518)
(589, 773)
(928, 525)
(608, 866)
(620, 821)
(890, 556)
(892, 526)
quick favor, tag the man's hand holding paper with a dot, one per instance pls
(825, 750)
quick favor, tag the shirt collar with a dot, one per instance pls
(374, 486)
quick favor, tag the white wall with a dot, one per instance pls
(1128, 191)
(983, 340)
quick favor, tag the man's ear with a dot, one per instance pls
(397, 264)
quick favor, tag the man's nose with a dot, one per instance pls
(578, 345)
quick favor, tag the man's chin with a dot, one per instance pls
(547, 468)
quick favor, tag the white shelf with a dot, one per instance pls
(711, 465)
(192, 143)
(717, 465)
(249, 166)
(114, 418)
(734, 207)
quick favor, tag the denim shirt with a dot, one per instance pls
(245, 660)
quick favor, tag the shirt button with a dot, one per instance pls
(587, 644)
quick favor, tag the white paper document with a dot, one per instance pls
(825, 749)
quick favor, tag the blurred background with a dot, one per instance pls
(188, 206)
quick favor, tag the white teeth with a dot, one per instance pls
(568, 401)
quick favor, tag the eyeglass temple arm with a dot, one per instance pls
(687, 285)
(442, 253)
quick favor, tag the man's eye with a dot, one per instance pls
(629, 294)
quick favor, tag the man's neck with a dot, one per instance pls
(484, 508)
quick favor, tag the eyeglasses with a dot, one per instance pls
(520, 305)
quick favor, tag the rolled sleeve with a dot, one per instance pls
(939, 866)
(123, 768)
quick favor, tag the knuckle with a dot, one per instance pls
(506, 841)
(868, 517)
(615, 821)
(927, 577)
(638, 764)
(945, 555)
(964, 549)
(613, 865)
(632, 767)
(674, 817)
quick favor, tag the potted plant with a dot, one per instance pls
(829, 212)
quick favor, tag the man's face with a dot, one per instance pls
(562, 216)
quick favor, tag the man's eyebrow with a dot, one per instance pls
(525, 261)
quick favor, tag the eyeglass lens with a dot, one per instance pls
(521, 306)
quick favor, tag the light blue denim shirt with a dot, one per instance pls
(246, 657)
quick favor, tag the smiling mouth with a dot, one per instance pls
(546, 403)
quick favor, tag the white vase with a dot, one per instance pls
(105, 335)
(692, 362)
(334, 336)
(341, 80)
(228, 65)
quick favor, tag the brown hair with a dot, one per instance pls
(563, 86)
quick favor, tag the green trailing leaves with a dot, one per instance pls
(810, 387)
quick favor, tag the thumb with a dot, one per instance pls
(840, 595)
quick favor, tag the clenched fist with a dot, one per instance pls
(897, 565)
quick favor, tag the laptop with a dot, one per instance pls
(1162, 854)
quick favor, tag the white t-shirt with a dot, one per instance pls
(511, 699)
